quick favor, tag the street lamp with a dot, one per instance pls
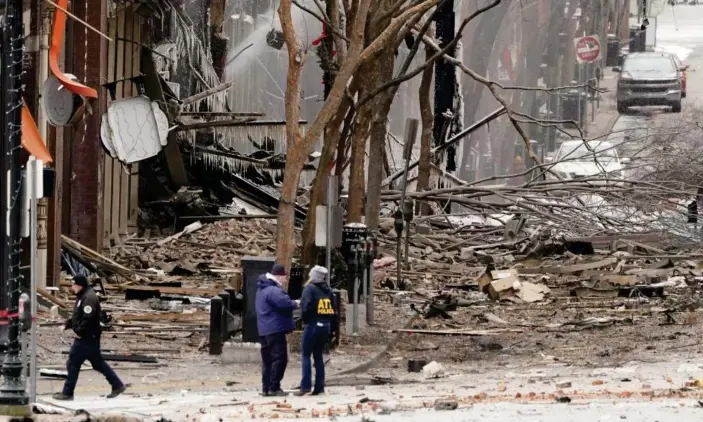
(13, 397)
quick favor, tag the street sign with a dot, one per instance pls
(587, 48)
(335, 228)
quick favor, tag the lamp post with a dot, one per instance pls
(13, 397)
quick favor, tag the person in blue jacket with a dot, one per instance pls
(317, 314)
(274, 319)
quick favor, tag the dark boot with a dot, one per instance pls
(62, 396)
(279, 393)
(301, 393)
(317, 392)
(116, 392)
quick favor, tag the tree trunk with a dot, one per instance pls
(377, 142)
(427, 116)
(285, 239)
(339, 166)
(332, 135)
(357, 166)
(295, 154)
(299, 146)
(377, 147)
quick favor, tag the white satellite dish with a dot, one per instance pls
(58, 102)
(134, 129)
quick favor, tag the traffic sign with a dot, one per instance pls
(587, 48)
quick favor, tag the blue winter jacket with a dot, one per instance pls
(274, 308)
(316, 303)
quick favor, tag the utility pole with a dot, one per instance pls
(43, 204)
(445, 80)
(13, 397)
(4, 244)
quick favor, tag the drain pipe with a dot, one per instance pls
(43, 203)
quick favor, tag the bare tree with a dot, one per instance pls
(427, 117)
(299, 146)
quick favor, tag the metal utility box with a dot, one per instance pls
(252, 268)
(296, 281)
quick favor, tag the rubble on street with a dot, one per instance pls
(530, 294)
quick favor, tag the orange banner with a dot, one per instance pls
(31, 140)
(57, 32)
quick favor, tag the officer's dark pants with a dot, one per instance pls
(315, 336)
(274, 356)
(87, 349)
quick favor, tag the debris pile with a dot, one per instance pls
(210, 251)
(485, 288)
(488, 289)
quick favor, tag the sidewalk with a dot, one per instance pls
(607, 114)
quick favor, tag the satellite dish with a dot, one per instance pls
(62, 107)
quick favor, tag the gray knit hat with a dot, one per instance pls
(319, 274)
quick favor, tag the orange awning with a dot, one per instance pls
(31, 140)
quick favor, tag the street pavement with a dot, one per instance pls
(633, 391)
(680, 31)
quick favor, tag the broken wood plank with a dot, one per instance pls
(569, 269)
(96, 257)
(172, 290)
(53, 373)
(49, 297)
(635, 245)
(207, 93)
(222, 113)
(663, 272)
(607, 241)
(185, 291)
(591, 292)
(473, 333)
(190, 228)
(125, 357)
(228, 217)
(172, 316)
(617, 280)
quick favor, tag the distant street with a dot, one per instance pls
(680, 31)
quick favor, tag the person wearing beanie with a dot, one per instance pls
(274, 320)
(317, 314)
(85, 323)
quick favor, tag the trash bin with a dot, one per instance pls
(613, 51)
(570, 106)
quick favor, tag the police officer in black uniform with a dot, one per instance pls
(85, 324)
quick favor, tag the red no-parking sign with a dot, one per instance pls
(587, 48)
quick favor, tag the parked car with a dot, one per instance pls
(648, 79)
(683, 68)
(589, 160)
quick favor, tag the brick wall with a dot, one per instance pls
(86, 164)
